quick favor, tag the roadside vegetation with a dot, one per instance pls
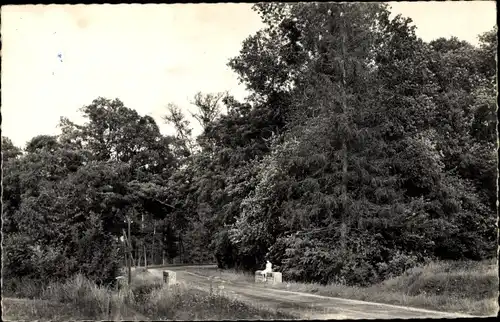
(364, 159)
(147, 298)
(451, 286)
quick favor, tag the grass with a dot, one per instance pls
(186, 302)
(75, 299)
(29, 309)
(450, 286)
(147, 298)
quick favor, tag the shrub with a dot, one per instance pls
(17, 257)
(225, 251)
(22, 287)
(90, 252)
(399, 263)
(313, 260)
(90, 299)
(93, 253)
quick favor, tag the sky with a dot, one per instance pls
(58, 58)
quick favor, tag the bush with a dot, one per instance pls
(18, 253)
(143, 283)
(90, 252)
(90, 299)
(93, 253)
(26, 264)
(399, 263)
(313, 260)
(225, 251)
(22, 287)
(364, 261)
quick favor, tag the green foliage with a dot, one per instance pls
(68, 196)
(360, 151)
(9, 150)
(402, 112)
(40, 142)
(311, 259)
(18, 253)
(208, 107)
(225, 252)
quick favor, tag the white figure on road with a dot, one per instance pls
(269, 269)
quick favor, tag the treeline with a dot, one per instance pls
(362, 150)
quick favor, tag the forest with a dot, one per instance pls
(361, 151)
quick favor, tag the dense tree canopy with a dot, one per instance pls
(360, 151)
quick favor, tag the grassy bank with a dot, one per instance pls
(451, 286)
(147, 298)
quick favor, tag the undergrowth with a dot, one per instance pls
(146, 298)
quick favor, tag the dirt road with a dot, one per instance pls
(308, 306)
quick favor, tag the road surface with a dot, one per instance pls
(307, 306)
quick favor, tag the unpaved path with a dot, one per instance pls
(307, 306)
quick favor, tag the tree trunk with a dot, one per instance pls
(343, 227)
(137, 255)
(129, 242)
(125, 252)
(153, 253)
(128, 246)
(181, 249)
(143, 239)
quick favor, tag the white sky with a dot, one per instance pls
(150, 55)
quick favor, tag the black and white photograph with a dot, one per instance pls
(249, 161)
